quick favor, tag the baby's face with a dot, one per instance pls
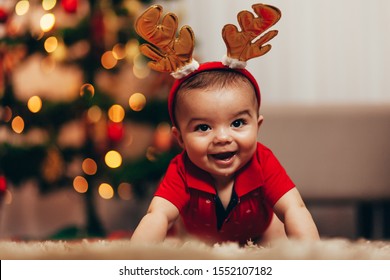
(218, 127)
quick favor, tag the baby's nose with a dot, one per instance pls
(222, 136)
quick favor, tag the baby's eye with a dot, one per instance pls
(238, 123)
(202, 127)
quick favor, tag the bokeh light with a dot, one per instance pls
(17, 124)
(48, 4)
(106, 191)
(137, 101)
(22, 7)
(119, 51)
(113, 159)
(47, 22)
(87, 90)
(51, 44)
(94, 114)
(34, 104)
(140, 68)
(132, 49)
(89, 166)
(116, 113)
(108, 60)
(80, 184)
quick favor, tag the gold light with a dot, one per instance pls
(132, 49)
(94, 114)
(47, 22)
(106, 191)
(48, 4)
(34, 104)
(51, 44)
(108, 60)
(17, 124)
(87, 90)
(89, 166)
(140, 68)
(137, 101)
(80, 184)
(22, 7)
(119, 51)
(116, 113)
(113, 159)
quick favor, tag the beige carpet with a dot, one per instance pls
(330, 249)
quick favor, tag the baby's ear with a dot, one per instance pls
(260, 120)
(177, 134)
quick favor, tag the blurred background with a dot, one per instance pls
(85, 133)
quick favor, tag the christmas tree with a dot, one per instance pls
(79, 108)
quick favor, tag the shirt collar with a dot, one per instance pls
(248, 178)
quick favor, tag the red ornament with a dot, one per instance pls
(3, 15)
(70, 6)
(115, 131)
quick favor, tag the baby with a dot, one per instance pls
(225, 185)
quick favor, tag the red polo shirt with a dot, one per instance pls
(259, 185)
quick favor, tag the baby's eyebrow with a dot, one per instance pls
(244, 112)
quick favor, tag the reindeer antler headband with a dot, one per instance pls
(171, 52)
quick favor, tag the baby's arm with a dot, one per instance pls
(298, 222)
(154, 225)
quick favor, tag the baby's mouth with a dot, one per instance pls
(223, 156)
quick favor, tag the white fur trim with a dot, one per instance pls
(233, 62)
(186, 69)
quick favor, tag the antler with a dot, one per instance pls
(168, 53)
(239, 43)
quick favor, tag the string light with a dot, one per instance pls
(22, 7)
(34, 104)
(137, 101)
(80, 184)
(51, 44)
(132, 49)
(94, 114)
(116, 113)
(17, 124)
(89, 166)
(87, 90)
(47, 22)
(106, 191)
(108, 60)
(113, 159)
(119, 51)
(140, 69)
(48, 4)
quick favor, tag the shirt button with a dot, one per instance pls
(208, 201)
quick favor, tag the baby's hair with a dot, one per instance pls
(213, 79)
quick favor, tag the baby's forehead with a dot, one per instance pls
(220, 82)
